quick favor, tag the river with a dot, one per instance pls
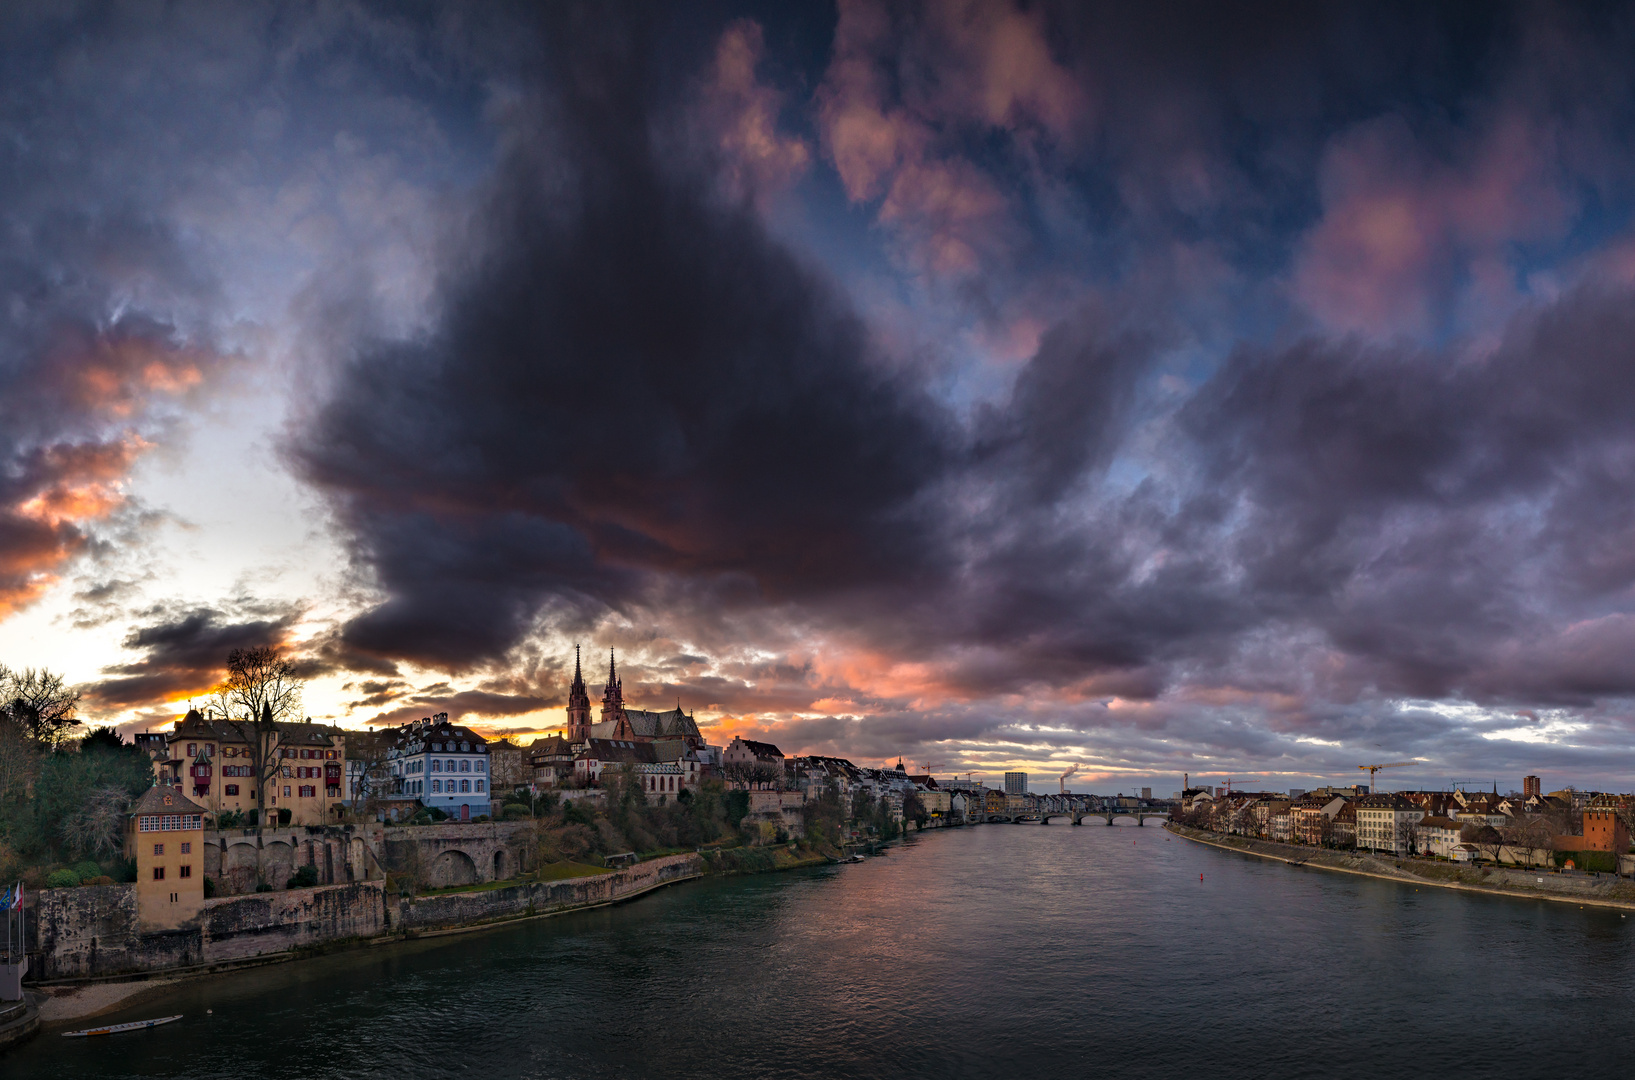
(992, 951)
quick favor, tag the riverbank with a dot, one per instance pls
(1584, 890)
(439, 914)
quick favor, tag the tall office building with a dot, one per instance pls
(1146, 793)
(1016, 783)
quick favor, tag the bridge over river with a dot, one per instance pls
(1043, 817)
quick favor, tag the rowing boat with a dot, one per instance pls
(115, 1029)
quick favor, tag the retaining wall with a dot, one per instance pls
(93, 931)
(542, 898)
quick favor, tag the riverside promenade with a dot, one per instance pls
(1600, 890)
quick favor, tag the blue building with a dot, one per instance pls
(441, 765)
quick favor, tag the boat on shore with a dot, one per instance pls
(117, 1029)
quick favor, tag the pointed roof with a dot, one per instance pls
(164, 800)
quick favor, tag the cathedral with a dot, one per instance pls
(620, 722)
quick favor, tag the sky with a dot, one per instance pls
(1166, 389)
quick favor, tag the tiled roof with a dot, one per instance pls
(164, 800)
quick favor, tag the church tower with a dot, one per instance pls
(613, 700)
(578, 704)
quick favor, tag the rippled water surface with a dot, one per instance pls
(990, 951)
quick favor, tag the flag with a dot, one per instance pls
(17, 896)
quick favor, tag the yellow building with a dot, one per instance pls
(210, 761)
(164, 834)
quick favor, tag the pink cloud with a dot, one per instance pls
(742, 113)
(897, 99)
(1408, 233)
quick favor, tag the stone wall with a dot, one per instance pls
(238, 860)
(93, 930)
(540, 898)
(450, 854)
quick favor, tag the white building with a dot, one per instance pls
(1387, 823)
(442, 765)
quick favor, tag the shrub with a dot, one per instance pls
(304, 878)
(284, 815)
(480, 817)
(737, 806)
(230, 819)
(515, 812)
(100, 879)
(125, 870)
(88, 869)
(62, 879)
(209, 887)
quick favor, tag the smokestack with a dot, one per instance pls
(1066, 774)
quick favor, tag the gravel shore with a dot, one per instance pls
(60, 1004)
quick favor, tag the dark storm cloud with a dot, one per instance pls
(1434, 516)
(633, 378)
(184, 652)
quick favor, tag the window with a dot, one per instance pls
(158, 873)
(479, 785)
(187, 871)
(192, 748)
(437, 747)
(187, 849)
(232, 789)
(478, 766)
(158, 849)
(436, 766)
(465, 785)
(465, 748)
(309, 791)
(465, 766)
(286, 791)
(436, 786)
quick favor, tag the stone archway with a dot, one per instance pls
(238, 869)
(452, 867)
(499, 865)
(278, 863)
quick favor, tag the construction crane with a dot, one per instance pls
(1066, 774)
(1372, 769)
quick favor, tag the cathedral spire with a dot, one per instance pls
(578, 704)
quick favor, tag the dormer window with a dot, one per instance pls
(437, 747)
(465, 748)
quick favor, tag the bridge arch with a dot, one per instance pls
(451, 867)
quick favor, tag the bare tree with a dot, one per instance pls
(97, 827)
(42, 703)
(1485, 838)
(372, 776)
(260, 690)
